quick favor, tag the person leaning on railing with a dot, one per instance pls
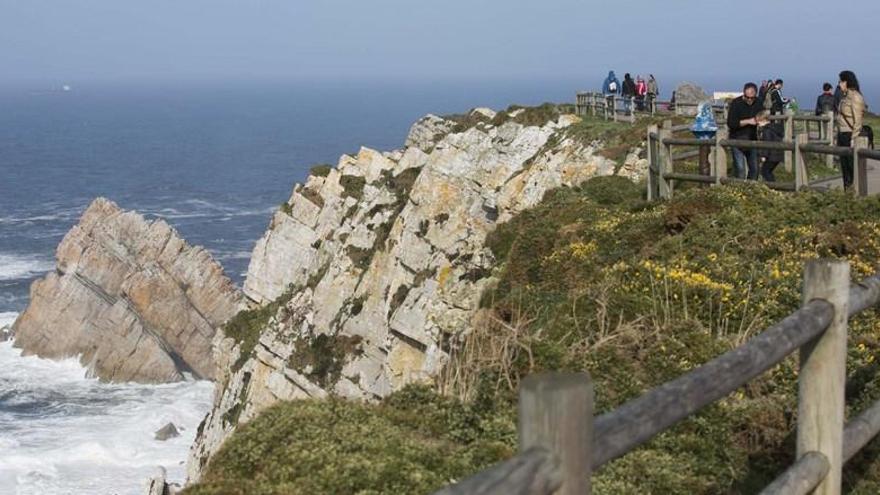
(850, 113)
(742, 121)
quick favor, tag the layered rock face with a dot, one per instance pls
(131, 298)
(377, 266)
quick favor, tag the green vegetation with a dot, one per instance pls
(321, 170)
(245, 327)
(321, 357)
(414, 442)
(353, 186)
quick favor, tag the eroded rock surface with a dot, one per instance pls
(131, 298)
(375, 267)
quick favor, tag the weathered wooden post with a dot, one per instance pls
(664, 160)
(719, 164)
(801, 178)
(652, 162)
(823, 373)
(860, 166)
(828, 130)
(632, 110)
(614, 108)
(556, 413)
(605, 106)
(593, 104)
(788, 137)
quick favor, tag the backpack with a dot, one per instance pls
(612, 86)
(868, 132)
(641, 88)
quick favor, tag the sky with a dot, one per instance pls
(49, 41)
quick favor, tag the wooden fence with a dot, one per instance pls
(661, 143)
(561, 443)
(627, 109)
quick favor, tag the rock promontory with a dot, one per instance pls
(131, 298)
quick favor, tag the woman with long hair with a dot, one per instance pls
(849, 121)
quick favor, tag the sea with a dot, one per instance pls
(213, 159)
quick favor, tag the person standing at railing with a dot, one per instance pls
(742, 122)
(850, 114)
(628, 92)
(610, 88)
(653, 91)
(825, 101)
(772, 130)
(641, 92)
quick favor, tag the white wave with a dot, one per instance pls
(16, 266)
(63, 433)
(234, 255)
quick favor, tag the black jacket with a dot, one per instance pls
(739, 110)
(824, 103)
(629, 87)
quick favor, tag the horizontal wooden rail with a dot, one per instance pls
(758, 145)
(826, 150)
(869, 153)
(801, 478)
(634, 423)
(684, 155)
(861, 430)
(533, 472)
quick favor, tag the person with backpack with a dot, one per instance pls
(850, 115)
(825, 101)
(653, 92)
(742, 122)
(641, 92)
(610, 88)
(772, 130)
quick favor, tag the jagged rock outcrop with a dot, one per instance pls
(688, 92)
(131, 298)
(375, 267)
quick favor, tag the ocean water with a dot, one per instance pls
(212, 160)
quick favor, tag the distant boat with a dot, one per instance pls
(65, 88)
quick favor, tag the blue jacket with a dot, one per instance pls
(605, 84)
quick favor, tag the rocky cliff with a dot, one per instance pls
(131, 298)
(371, 270)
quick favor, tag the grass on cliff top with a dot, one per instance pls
(413, 442)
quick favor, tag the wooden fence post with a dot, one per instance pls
(632, 110)
(652, 162)
(556, 413)
(828, 131)
(788, 137)
(664, 160)
(593, 104)
(860, 167)
(719, 164)
(614, 108)
(823, 373)
(801, 177)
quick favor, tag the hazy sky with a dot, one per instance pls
(47, 41)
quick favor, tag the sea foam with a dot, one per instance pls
(62, 433)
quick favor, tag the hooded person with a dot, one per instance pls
(611, 85)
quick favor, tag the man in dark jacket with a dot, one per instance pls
(825, 101)
(628, 92)
(742, 121)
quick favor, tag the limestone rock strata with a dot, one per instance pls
(380, 262)
(131, 298)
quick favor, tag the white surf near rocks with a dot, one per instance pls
(63, 433)
(382, 260)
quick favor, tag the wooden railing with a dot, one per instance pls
(561, 443)
(661, 160)
(627, 109)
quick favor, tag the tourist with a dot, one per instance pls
(825, 101)
(653, 92)
(641, 92)
(610, 88)
(628, 91)
(849, 121)
(742, 121)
